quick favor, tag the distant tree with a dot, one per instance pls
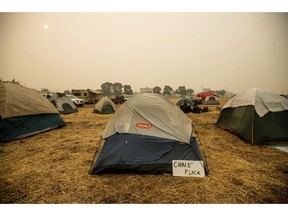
(190, 92)
(12, 81)
(221, 92)
(67, 92)
(107, 88)
(117, 88)
(176, 92)
(157, 90)
(128, 90)
(167, 90)
(45, 90)
(182, 91)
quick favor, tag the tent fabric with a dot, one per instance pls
(142, 154)
(16, 100)
(24, 126)
(25, 112)
(145, 134)
(185, 104)
(152, 115)
(263, 101)
(211, 100)
(185, 99)
(63, 103)
(244, 120)
(105, 106)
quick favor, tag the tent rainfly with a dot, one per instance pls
(25, 112)
(256, 116)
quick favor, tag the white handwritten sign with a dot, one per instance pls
(188, 168)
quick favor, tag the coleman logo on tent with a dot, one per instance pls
(144, 125)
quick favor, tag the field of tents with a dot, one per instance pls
(54, 167)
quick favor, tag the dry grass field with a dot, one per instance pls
(52, 167)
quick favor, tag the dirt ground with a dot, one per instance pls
(52, 167)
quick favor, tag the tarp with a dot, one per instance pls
(263, 101)
(16, 100)
(152, 115)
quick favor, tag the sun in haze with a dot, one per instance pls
(45, 27)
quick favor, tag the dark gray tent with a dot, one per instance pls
(256, 116)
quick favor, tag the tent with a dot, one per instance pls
(203, 95)
(145, 134)
(211, 100)
(185, 104)
(257, 116)
(24, 112)
(105, 106)
(63, 103)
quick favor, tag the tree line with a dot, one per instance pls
(117, 88)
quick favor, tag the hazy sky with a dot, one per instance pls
(232, 51)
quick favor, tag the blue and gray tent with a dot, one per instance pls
(145, 134)
(25, 112)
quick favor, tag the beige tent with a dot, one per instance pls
(105, 106)
(25, 112)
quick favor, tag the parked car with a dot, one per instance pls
(76, 101)
(118, 99)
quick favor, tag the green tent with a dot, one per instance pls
(105, 106)
(185, 104)
(25, 112)
(256, 116)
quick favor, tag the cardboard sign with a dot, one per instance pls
(188, 168)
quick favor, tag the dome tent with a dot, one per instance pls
(145, 134)
(211, 100)
(63, 103)
(105, 106)
(25, 112)
(256, 116)
(185, 104)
